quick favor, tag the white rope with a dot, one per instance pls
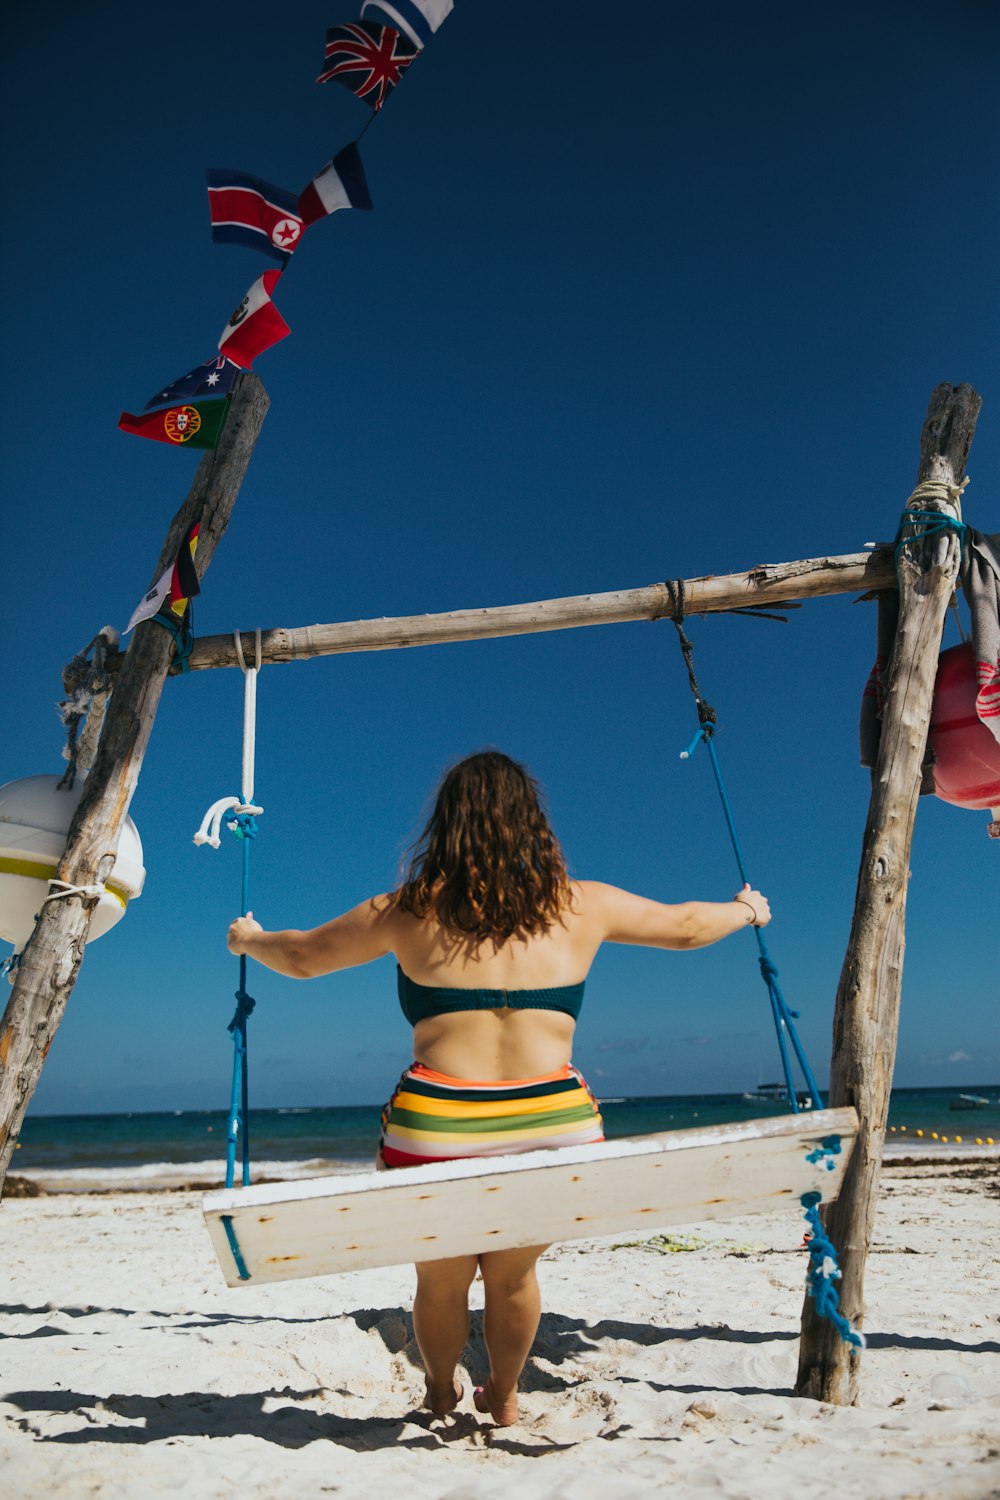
(249, 714)
(209, 832)
(88, 891)
(937, 489)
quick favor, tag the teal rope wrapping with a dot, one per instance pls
(934, 523)
(824, 1271)
(183, 636)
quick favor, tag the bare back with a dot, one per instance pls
(501, 1043)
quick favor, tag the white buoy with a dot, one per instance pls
(35, 815)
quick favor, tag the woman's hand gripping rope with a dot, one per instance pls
(240, 932)
(758, 910)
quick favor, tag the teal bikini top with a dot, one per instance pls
(421, 1001)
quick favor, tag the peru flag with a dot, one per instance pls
(255, 324)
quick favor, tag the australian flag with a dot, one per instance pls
(368, 58)
(216, 377)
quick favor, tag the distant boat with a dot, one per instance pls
(777, 1093)
(968, 1101)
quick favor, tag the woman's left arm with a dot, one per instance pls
(358, 937)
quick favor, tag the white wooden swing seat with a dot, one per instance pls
(321, 1225)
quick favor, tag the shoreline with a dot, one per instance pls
(177, 1177)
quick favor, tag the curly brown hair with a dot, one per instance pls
(487, 863)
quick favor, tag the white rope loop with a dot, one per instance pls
(249, 714)
(211, 824)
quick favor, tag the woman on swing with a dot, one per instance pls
(493, 942)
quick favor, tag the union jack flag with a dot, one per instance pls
(368, 58)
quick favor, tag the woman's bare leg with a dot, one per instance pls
(441, 1325)
(510, 1322)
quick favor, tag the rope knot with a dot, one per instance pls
(768, 968)
(243, 824)
(824, 1271)
(244, 1007)
(828, 1148)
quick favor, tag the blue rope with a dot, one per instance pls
(244, 825)
(934, 523)
(828, 1148)
(781, 1012)
(234, 1245)
(782, 1015)
(182, 633)
(824, 1270)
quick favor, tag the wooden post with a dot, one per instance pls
(866, 1014)
(52, 956)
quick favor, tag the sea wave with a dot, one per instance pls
(159, 1176)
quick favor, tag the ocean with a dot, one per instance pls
(138, 1151)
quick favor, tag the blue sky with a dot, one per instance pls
(651, 292)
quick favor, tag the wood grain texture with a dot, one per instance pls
(330, 1224)
(51, 959)
(766, 584)
(866, 1015)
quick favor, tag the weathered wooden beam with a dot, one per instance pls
(769, 583)
(866, 1015)
(52, 956)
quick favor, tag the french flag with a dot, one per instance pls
(255, 324)
(246, 211)
(341, 184)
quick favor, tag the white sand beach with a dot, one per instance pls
(130, 1369)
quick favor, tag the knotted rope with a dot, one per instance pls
(782, 1015)
(824, 1271)
(243, 823)
(925, 524)
(87, 684)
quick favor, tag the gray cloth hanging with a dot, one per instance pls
(980, 578)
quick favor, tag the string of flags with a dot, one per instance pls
(369, 57)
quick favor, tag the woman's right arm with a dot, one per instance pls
(625, 918)
(357, 937)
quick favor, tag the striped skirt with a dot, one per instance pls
(432, 1117)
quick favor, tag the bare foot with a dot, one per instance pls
(503, 1410)
(442, 1402)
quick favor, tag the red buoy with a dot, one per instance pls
(967, 757)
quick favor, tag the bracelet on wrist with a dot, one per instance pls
(752, 918)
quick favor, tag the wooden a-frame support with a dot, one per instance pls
(867, 1006)
(51, 958)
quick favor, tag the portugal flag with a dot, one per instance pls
(195, 424)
